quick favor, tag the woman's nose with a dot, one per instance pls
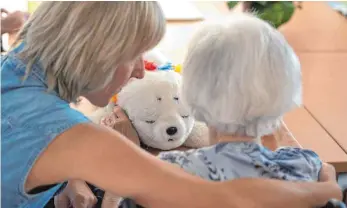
(139, 69)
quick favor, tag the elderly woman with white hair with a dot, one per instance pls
(91, 49)
(240, 76)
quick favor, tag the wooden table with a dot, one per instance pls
(319, 36)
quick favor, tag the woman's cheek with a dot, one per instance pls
(121, 78)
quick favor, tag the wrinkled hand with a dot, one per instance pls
(76, 194)
(118, 121)
(110, 200)
(328, 173)
(13, 22)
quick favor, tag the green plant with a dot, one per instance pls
(275, 12)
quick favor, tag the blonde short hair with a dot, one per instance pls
(80, 44)
(240, 76)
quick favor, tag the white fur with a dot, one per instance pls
(156, 56)
(153, 99)
(240, 76)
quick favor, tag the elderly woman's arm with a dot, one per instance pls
(108, 160)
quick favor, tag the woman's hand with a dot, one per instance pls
(76, 193)
(327, 173)
(120, 122)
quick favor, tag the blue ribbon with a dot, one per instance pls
(167, 66)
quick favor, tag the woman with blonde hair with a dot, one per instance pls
(91, 49)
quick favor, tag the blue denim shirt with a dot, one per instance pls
(31, 117)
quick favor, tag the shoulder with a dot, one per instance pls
(180, 158)
(186, 156)
(27, 103)
(29, 108)
(298, 163)
(303, 156)
(31, 118)
(196, 161)
(29, 112)
(183, 159)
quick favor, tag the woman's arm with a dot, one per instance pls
(275, 193)
(108, 160)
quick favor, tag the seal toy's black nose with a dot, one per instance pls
(171, 130)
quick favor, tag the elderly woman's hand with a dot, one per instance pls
(327, 173)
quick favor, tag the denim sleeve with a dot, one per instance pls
(31, 118)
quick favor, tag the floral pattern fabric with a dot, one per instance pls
(226, 161)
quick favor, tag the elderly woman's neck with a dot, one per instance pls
(216, 137)
(236, 138)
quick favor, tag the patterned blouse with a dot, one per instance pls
(225, 161)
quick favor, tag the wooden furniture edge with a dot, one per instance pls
(305, 130)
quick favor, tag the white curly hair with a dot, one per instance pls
(240, 76)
